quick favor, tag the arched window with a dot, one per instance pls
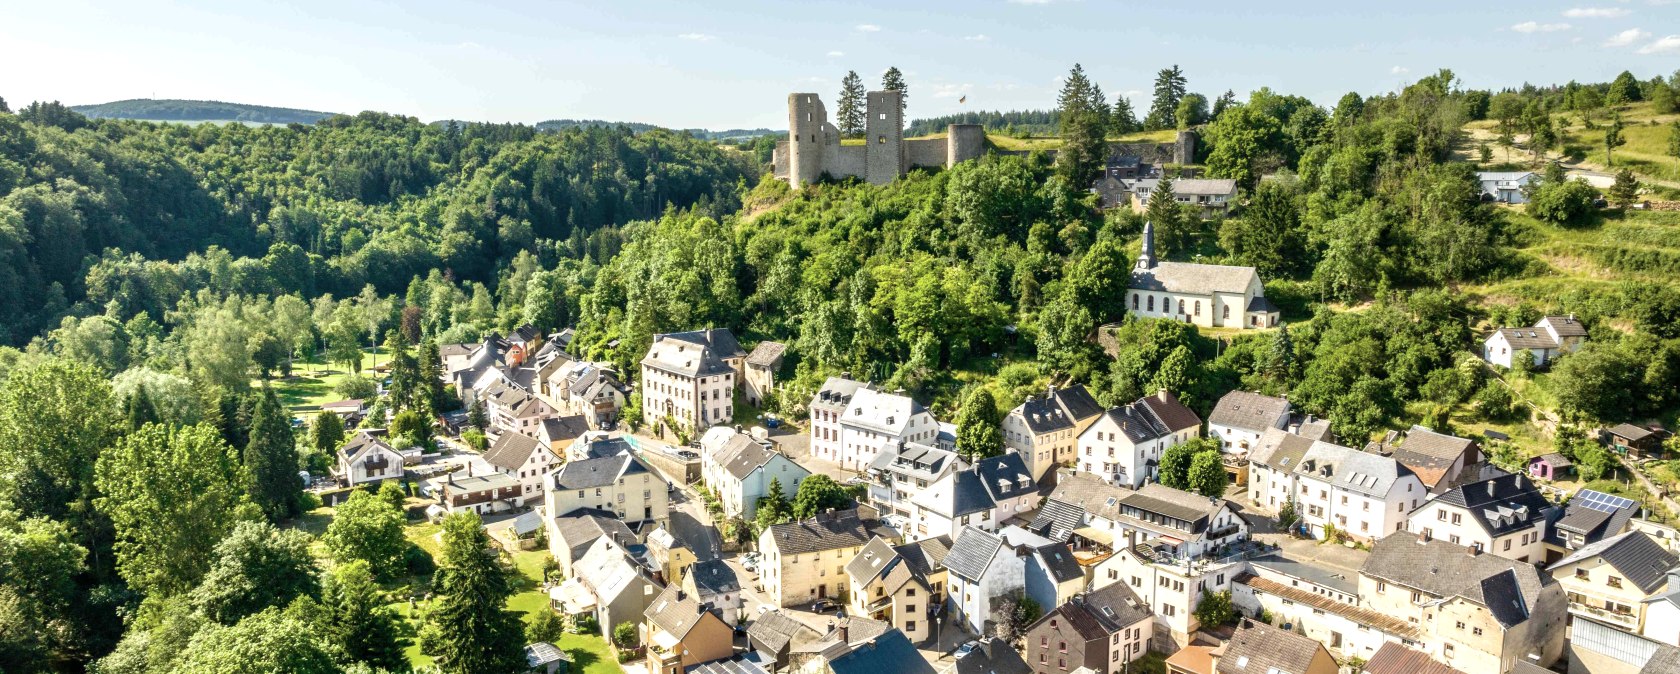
(1151, 302)
(1181, 306)
(1226, 313)
(1198, 307)
(1134, 301)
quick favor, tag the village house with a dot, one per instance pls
(984, 495)
(1614, 580)
(572, 534)
(558, 433)
(1257, 647)
(1506, 187)
(1505, 516)
(515, 410)
(1124, 445)
(901, 471)
(1549, 466)
(1102, 631)
(368, 459)
(714, 583)
(806, 560)
(1476, 612)
(1362, 495)
(689, 378)
(669, 557)
(610, 585)
(741, 469)
(762, 364)
(992, 656)
(1439, 460)
(619, 484)
(852, 422)
(482, 494)
(1322, 600)
(590, 390)
(681, 631)
(1271, 468)
(464, 365)
(1210, 196)
(1394, 658)
(1045, 430)
(985, 567)
(846, 652)
(1589, 517)
(1207, 295)
(1597, 648)
(1240, 417)
(901, 586)
(774, 635)
(1550, 338)
(524, 458)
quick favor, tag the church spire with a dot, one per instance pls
(1146, 257)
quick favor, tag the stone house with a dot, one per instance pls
(984, 495)
(1102, 631)
(762, 365)
(1505, 516)
(852, 422)
(714, 583)
(1124, 445)
(368, 459)
(1614, 580)
(1475, 611)
(681, 632)
(1207, 295)
(1045, 430)
(901, 586)
(1258, 647)
(689, 379)
(619, 484)
(1551, 337)
(806, 560)
(741, 470)
(524, 458)
(1322, 600)
(668, 555)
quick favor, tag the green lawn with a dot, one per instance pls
(312, 382)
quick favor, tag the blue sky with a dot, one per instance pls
(731, 63)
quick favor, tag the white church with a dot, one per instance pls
(1208, 295)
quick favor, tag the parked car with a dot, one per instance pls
(965, 649)
(688, 455)
(823, 606)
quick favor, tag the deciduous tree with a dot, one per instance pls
(367, 528)
(979, 426)
(256, 567)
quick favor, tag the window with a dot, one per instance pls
(1198, 307)
(1581, 574)
(1441, 515)
(1476, 631)
(1226, 313)
(1507, 544)
(1061, 646)
(880, 140)
(1456, 518)
(1151, 302)
(1613, 581)
(1181, 306)
(910, 592)
(1134, 301)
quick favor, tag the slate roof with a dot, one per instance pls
(1258, 647)
(1565, 326)
(1592, 515)
(719, 340)
(364, 439)
(1500, 505)
(1422, 440)
(1190, 278)
(836, 393)
(776, 631)
(1527, 338)
(1004, 659)
(1506, 587)
(511, 451)
(675, 611)
(1261, 304)
(1194, 186)
(688, 357)
(714, 577)
(1630, 432)
(1177, 504)
(590, 473)
(1059, 409)
(889, 653)
(1642, 561)
(766, 354)
(877, 559)
(914, 459)
(1087, 492)
(580, 528)
(1056, 519)
(1248, 411)
(1351, 469)
(1394, 658)
(1059, 561)
(925, 556)
(1152, 417)
(827, 531)
(972, 552)
(881, 411)
(741, 459)
(565, 429)
(989, 481)
(1279, 449)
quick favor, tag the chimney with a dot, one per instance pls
(1050, 391)
(1490, 486)
(986, 645)
(1423, 538)
(1161, 394)
(1473, 550)
(681, 595)
(841, 632)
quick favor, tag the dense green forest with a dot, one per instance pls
(155, 277)
(178, 110)
(640, 127)
(1010, 122)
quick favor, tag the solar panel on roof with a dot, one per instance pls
(1603, 502)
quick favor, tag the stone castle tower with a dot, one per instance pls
(813, 148)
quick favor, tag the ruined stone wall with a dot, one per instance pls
(849, 161)
(884, 136)
(779, 160)
(964, 142)
(925, 152)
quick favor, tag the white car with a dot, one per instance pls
(965, 649)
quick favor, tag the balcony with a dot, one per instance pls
(1628, 620)
(1222, 532)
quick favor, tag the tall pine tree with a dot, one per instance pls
(1083, 128)
(359, 623)
(892, 80)
(850, 112)
(271, 459)
(139, 410)
(1123, 119)
(468, 628)
(1163, 109)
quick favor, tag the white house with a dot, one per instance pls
(1662, 612)
(1551, 337)
(1505, 516)
(903, 470)
(619, 484)
(1364, 495)
(1239, 418)
(741, 471)
(852, 421)
(982, 567)
(1211, 196)
(689, 379)
(983, 496)
(367, 458)
(1124, 445)
(1271, 468)
(524, 458)
(1506, 187)
(1045, 430)
(1208, 295)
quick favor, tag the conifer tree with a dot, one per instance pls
(271, 459)
(326, 433)
(850, 112)
(1163, 109)
(1123, 119)
(468, 628)
(139, 410)
(359, 624)
(893, 80)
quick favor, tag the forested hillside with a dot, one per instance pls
(176, 110)
(640, 127)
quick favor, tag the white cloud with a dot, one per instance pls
(977, 38)
(1029, 2)
(1537, 27)
(836, 54)
(868, 28)
(1595, 12)
(1664, 45)
(698, 37)
(951, 90)
(1626, 38)
(1399, 70)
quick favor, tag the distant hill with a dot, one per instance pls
(173, 110)
(639, 127)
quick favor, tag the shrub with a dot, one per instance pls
(356, 387)
(1568, 202)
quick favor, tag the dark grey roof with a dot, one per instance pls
(1261, 304)
(915, 459)
(603, 446)
(1279, 449)
(1059, 561)
(590, 473)
(523, 334)
(889, 653)
(827, 531)
(766, 354)
(699, 353)
(1175, 503)
(511, 450)
(1058, 409)
(565, 429)
(1351, 469)
(746, 457)
(1630, 432)
(1565, 326)
(579, 529)
(1057, 519)
(714, 577)
(1500, 505)
(1553, 459)
(775, 631)
(972, 552)
(1443, 569)
(1424, 441)
(1594, 515)
(1528, 338)
(836, 393)
(991, 480)
(720, 340)
(1249, 411)
(1003, 659)
(1643, 561)
(747, 663)
(1142, 421)
(1193, 279)
(1258, 647)
(925, 556)
(675, 611)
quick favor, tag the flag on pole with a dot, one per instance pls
(962, 100)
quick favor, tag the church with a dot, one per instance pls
(1208, 295)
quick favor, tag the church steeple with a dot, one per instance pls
(1146, 257)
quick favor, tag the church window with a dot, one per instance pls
(1151, 302)
(1227, 312)
(1181, 306)
(1198, 307)
(1134, 301)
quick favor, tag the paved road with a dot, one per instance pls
(691, 524)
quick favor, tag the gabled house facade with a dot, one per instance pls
(852, 422)
(1505, 516)
(619, 484)
(368, 459)
(1363, 495)
(901, 589)
(1551, 337)
(1124, 445)
(1240, 417)
(1045, 430)
(681, 631)
(984, 495)
(741, 470)
(1102, 631)
(1614, 580)
(903, 470)
(806, 560)
(689, 379)
(524, 458)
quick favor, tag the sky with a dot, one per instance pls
(731, 63)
